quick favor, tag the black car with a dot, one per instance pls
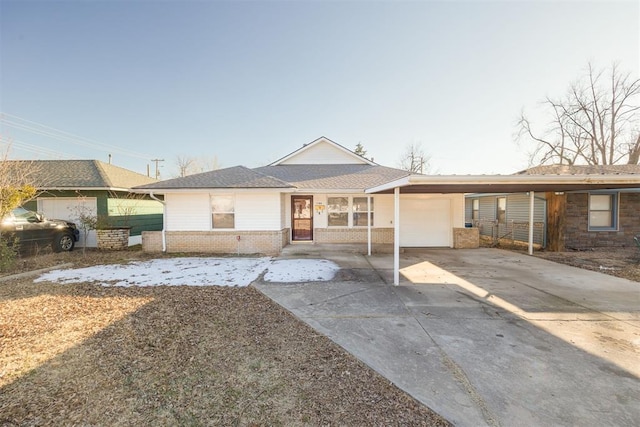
(30, 229)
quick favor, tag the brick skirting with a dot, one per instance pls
(352, 235)
(217, 242)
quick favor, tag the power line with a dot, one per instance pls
(25, 146)
(51, 132)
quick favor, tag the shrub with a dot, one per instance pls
(8, 255)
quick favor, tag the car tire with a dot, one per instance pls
(63, 243)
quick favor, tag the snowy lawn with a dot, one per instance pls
(197, 272)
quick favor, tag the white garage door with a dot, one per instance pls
(68, 208)
(425, 222)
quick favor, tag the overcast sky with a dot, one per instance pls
(249, 82)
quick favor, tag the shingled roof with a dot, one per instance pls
(82, 174)
(233, 177)
(330, 177)
(581, 170)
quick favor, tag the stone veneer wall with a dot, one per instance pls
(466, 238)
(218, 242)
(113, 239)
(352, 235)
(577, 234)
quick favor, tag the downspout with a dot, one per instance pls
(164, 220)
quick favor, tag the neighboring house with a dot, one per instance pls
(315, 194)
(68, 187)
(584, 219)
(506, 216)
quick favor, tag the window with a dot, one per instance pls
(360, 212)
(501, 212)
(475, 214)
(338, 211)
(602, 211)
(222, 212)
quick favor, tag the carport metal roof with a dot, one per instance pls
(443, 184)
(421, 184)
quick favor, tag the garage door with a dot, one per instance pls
(425, 222)
(68, 208)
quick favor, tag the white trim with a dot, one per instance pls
(84, 189)
(212, 190)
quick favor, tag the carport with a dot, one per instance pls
(457, 184)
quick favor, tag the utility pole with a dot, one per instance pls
(157, 161)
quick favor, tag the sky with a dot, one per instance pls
(248, 82)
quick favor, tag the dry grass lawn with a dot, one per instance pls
(87, 355)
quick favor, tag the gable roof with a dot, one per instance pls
(333, 177)
(81, 174)
(330, 146)
(581, 170)
(233, 177)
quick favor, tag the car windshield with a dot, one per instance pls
(23, 214)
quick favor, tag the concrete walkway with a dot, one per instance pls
(483, 336)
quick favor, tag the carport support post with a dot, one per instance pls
(369, 225)
(531, 212)
(396, 236)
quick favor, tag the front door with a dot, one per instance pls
(301, 218)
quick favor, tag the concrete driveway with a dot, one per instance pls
(484, 336)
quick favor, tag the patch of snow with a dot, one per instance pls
(196, 272)
(301, 270)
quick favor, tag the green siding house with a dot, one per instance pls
(67, 188)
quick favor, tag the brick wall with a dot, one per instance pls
(218, 242)
(352, 235)
(577, 234)
(466, 238)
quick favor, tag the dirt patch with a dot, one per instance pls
(619, 262)
(84, 354)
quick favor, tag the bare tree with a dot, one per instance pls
(17, 180)
(414, 160)
(185, 164)
(206, 164)
(190, 165)
(596, 123)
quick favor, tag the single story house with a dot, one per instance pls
(585, 218)
(314, 194)
(67, 188)
(325, 193)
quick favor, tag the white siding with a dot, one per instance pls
(323, 153)
(383, 211)
(320, 219)
(258, 211)
(188, 212)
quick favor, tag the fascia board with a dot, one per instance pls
(210, 190)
